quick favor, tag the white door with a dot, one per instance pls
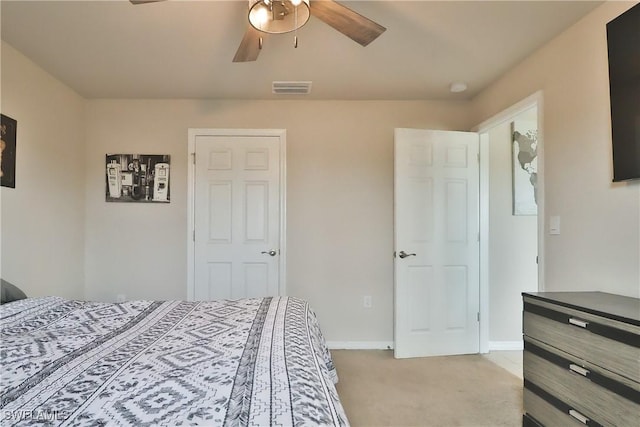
(436, 243)
(237, 215)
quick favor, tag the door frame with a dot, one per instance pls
(534, 100)
(193, 133)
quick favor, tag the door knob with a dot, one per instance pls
(403, 254)
(271, 252)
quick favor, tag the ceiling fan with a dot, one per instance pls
(281, 16)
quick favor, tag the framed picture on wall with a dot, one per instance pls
(8, 151)
(525, 167)
(142, 178)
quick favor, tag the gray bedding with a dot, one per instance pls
(250, 362)
(10, 292)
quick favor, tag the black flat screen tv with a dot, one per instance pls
(623, 43)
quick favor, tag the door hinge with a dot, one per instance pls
(194, 158)
(478, 157)
(478, 316)
(194, 234)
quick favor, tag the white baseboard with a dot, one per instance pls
(360, 345)
(388, 345)
(505, 345)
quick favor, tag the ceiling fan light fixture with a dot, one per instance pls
(278, 16)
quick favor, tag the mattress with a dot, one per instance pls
(248, 362)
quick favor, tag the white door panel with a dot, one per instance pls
(436, 229)
(236, 216)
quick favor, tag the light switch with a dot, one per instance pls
(554, 225)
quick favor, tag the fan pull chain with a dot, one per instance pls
(260, 43)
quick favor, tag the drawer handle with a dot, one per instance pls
(578, 322)
(578, 416)
(578, 370)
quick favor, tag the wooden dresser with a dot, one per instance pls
(581, 359)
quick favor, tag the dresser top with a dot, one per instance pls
(616, 307)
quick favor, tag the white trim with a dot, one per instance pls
(191, 182)
(360, 345)
(506, 115)
(534, 100)
(484, 243)
(192, 134)
(506, 345)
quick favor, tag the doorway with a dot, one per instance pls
(506, 234)
(236, 199)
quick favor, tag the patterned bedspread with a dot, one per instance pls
(250, 362)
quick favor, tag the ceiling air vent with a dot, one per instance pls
(291, 88)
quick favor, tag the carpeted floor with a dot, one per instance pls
(378, 390)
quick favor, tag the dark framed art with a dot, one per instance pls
(8, 151)
(142, 178)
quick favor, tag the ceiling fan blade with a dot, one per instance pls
(250, 46)
(350, 23)
(144, 1)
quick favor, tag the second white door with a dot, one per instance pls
(436, 241)
(236, 216)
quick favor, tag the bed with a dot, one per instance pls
(248, 362)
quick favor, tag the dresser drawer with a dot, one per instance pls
(617, 349)
(601, 398)
(529, 421)
(545, 413)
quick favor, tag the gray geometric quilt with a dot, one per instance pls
(249, 362)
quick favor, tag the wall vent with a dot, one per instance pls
(291, 88)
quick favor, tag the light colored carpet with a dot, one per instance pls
(378, 390)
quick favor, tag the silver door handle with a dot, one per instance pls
(403, 254)
(271, 252)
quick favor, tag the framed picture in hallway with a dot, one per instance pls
(524, 137)
(142, 178)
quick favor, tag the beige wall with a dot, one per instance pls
(599, 245)
(339, 200)
(43, 217)
(58, 232)
(513, 245)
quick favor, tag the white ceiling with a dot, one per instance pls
(184, 49)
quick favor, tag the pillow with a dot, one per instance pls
(9, 292)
